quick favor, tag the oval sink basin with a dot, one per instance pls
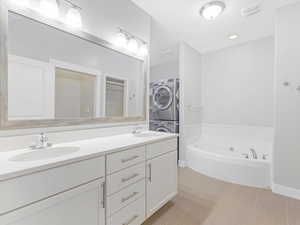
(147, 134)
(43, 154)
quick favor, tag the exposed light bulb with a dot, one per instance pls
(73, 18)
(143, 51)
(121, 40)
(49, 8)
(212, 10)
(21, 3)
(133, 45)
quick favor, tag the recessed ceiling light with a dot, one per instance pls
(211, 10)
(233, 36)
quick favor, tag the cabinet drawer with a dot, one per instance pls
(133, 214)
(117, 181)
(121, 160)
(161, 147)
(27, 189)
(126, 196)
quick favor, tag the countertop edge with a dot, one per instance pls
(62, 162)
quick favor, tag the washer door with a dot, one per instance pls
(163, 97)
(163, 129)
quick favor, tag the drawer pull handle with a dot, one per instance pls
(150, 173)
(125, 199)
(130, 178)
(129, 159)
(103, 186)
(131, 220)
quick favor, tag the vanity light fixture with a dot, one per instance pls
(121, 40)
(133, 45)
(143, 51)
(49, 8)
(73, 18)
(211, 10)
(233, 36)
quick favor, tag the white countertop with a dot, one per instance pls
(89, 148)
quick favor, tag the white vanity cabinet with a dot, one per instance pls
(161, 174)
(71, 194)
(122, 187)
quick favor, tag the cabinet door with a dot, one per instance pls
(82, 205)
(161, 182)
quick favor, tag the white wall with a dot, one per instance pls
(190, 92)
(287, 124)
(101, 18)
(165, 70)
(238, 84)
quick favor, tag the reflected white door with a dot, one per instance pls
(30, 89)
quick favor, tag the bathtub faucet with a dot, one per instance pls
(254, 154)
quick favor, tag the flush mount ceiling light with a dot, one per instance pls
(73, 18)
(49, 8)
(233, 36)
(211, 10)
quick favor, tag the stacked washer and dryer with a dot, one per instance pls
(164, 106)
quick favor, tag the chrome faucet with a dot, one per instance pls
(137, 130)
(42, 142)
(254, 154)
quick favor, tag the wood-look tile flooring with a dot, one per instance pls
(206, 201)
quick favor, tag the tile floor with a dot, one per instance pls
(206, 201)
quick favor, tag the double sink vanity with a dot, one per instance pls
(77, 79)
(116, 180)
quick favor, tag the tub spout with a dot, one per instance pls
(254, 154)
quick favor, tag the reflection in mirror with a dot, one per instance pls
(56, 75)
(74, 94)
(116, 97)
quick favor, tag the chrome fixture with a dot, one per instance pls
(211, 10)
(42, 142)
(254, 154)
(132, 43)
(137, 130)
(246, 155)
(264, 157)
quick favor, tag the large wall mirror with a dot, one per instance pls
(56, 77)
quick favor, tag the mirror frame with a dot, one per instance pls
(5, 124)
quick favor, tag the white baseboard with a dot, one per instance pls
(286, 191)
(181, 163)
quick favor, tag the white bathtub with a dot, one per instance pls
(221, 152)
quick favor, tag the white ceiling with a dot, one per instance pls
(182, 22)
